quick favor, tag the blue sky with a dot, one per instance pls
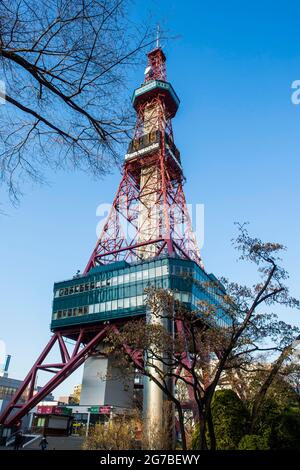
(239, 136)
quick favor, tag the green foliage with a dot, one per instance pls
(230, 418)
(268, 420)
(287, 431)
(276, 428)
(253, 442)
(195, 439)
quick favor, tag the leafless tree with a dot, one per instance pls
(64, 64)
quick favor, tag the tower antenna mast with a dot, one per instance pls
(157, 35)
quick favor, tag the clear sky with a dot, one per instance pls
(239, 136)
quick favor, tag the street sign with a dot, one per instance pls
(100, 409)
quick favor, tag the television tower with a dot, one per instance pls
(147, 239)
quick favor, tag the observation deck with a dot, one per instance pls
(117, 291)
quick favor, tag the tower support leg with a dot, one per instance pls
(25, 399)
(159, 422)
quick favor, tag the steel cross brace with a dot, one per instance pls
(68, 365)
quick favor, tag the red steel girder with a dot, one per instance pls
(68, 365)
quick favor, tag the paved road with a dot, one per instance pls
(55, 443)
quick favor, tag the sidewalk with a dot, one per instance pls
(54, 443)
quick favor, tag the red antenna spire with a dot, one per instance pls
(156, 67)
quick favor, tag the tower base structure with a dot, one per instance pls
(85, 309)
(158, 411)
(104, 383)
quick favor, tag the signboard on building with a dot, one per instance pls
(100, 409)
(57, 410)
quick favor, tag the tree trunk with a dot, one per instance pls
(202, 437)
(211, 430)
(258, 401)
(182, 428)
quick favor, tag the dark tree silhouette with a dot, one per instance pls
(64, 64)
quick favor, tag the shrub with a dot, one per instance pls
(230, 418)
(253, 442)
(119, 434)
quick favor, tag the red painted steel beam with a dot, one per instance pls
(78, 343)
(58, 365)
(64, 352)
(130, 247)
(59, 377)
(27, 379)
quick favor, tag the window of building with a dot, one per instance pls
(108, 305)
(102, 295)
(81, 288)
(126, 303)
(126, 291)
(152, 272)
(145, 274)
(114, 304)
(114, 294)
(41, 422)
(91, 308)
(80, 311)
(70, 312)
(109, 294)
(85, 310)
(139, 288)
(102, 307)
(132, 291)
(158, 271)
(165, 270)
(120, 303)
(185, 297)
(76, 289)
(97, 308)
(86, 286)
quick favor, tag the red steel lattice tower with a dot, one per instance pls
(148, 218)
(149, 215)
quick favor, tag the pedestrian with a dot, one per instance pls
(18, 440)
(44, 442)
